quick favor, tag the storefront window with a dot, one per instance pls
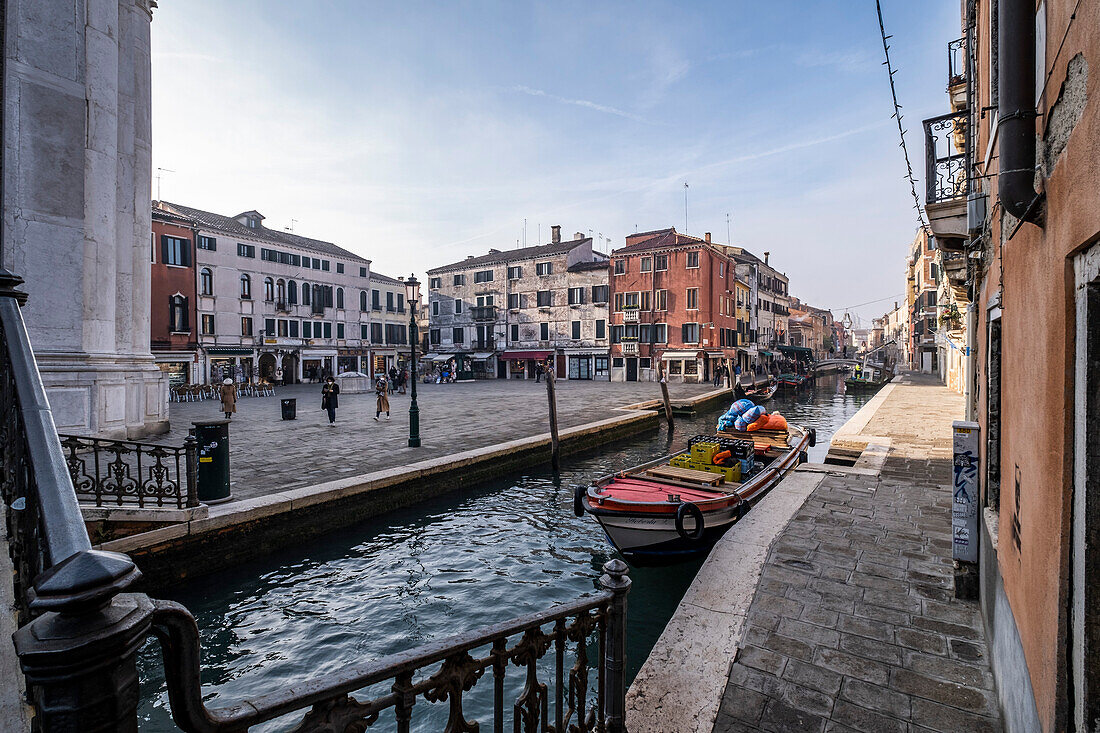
(691, 366)
(674, 367)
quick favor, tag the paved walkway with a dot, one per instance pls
(268, 454)
(854, 625)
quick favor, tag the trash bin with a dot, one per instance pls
(290, 407)
(213, 453)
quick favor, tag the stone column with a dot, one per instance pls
(77, 222)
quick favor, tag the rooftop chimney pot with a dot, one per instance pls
(707, 237)
(555, 234)
(766, 256)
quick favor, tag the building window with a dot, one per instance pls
(616, 333)
(692, 259)
(246, 250)
(246, 287)
(339, 297)
(205, 242)
(690, 333)
(483, 276)
(269, 289)
(599, 293)
(458, 306)
(660, 263)
(339, 330)
(544, 268)
(325, 267)
(433, 337)
(645, 332)
(692, 298)
(375, 300)
(339, 268)
(280, 290)
(618, 302)
(246, 326)
(362, 300)
(647, 264)
(435, 283)
(515, 273)
(400, 302)
(284, 329)
(545, 298)
(306, 290)
(435, 307)
(457, 336)
(575, 329)
(459, 280)
(362, 272)
(175, 251)
(576, 296)
(513, 301)
(544, 331)
(601, 328)
(269, 326)
(644, 304)
(292, 292)
(208, 324)
(661, 300)
(177, 313)
(376, 333)
(206, 281)
(389, 302)
(721, 269)
(630, 300)
(294, 329)
(307, 329)
(620, 267)
(515, 331)
(316, 263)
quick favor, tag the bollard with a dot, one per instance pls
(614, 662)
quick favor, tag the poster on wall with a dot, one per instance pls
(965, 499)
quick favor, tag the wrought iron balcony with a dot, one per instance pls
(484, 312)
(317, 308)
(484, 345)
(956, 62)
(946, 171)
(281, 306)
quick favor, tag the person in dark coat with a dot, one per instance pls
(330, 399)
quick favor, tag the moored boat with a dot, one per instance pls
(661, 512)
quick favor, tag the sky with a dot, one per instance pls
(415, 134)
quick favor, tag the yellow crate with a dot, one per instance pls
(680, 461)
(704, 452)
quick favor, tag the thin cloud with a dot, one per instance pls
(579, 103)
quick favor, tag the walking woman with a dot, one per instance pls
(330, 398)
(228, 392)
(380, 390)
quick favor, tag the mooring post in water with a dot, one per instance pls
(664, 392)
(551, 399)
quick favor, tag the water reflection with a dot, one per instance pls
(458, 563)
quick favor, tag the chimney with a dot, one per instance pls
(555, 234)
(494, 251)
(707, 237)
(766, 256)
(578, 235)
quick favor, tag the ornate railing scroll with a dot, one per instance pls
(946, 173)
(442, 671)
(125, 473)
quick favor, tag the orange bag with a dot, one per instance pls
(759, 424)
(719, 457)
(775, 421)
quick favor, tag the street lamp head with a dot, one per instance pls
(412, 290)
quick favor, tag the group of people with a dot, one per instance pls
(722, 375)
(330, 394)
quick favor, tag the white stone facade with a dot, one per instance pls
(77, 169)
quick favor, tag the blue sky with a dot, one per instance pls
(418, 133)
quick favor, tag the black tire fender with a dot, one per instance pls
(803, 457)
(579, 493)
(685, 509)
(813, 437)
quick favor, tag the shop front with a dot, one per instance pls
(522, 364)
(318, 364)
(382, 360)
(587, 364)
(351, 360)
(483, 364)
(234, 363)
(176, 367)
(683, 366)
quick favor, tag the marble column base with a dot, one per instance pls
(105, 395)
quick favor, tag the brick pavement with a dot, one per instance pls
(268, 454)
(854, 625)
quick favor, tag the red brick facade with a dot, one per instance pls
(173, 329)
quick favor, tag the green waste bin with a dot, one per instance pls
(213, 453)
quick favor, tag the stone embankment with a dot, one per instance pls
(831, 607)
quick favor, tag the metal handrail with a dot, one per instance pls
(125, 481)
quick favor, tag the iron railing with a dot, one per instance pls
(440, 671)
(484, 312)
(946, 172)
(79, 633)
(127, 473)
(956, 62)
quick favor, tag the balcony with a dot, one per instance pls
(956, 73)
(629, 348)
(281, 306)
(947, 175)
(484, 345)
(630, 315)
(484, 312)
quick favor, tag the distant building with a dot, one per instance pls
(923, 272)
(499, 314)
(173, 332)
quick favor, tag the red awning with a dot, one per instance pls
(521, 355)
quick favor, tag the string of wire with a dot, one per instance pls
(897, 116)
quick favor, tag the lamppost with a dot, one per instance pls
(412, 297)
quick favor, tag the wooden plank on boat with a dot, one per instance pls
(766, 438)
(688, 475)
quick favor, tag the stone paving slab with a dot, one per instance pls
(854, 625)
(269, 455)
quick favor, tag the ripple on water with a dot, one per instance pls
(479, 556)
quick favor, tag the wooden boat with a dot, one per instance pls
(870, 378)
(790, 380)
(656, 512)
(763, 393)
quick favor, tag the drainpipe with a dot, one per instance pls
(1016, 113)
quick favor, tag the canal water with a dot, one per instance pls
(454, 564)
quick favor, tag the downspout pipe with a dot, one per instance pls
(1016, 109)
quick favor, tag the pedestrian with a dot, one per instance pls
(538, 372)
(279, 376)
(228, 392)
(380, 389)
(330, 398)
(393, 379)
(404, 376)
(737, 373)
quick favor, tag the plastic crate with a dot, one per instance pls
(739, 447)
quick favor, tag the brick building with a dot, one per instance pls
(674, 300)
(173, 333)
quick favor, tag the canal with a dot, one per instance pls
(454, 564)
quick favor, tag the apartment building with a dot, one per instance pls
(173, 333)
(923, 272)
(269, 299)
(499, 314)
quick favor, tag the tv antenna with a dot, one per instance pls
(159, 172)
(685, 207)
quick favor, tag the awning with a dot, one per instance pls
(443, 357)
(680, 355)
(797, 350)
(483, 355)
(228, 351)
(521, 355)
(716, 354)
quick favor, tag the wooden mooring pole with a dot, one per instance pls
(552, 401)
(664, 393)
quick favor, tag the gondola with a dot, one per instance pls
(659, 512)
